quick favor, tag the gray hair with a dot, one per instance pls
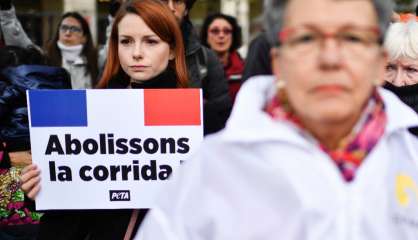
(402, 40)
(274, 11)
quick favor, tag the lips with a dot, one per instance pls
(330, 88)
(138, 68)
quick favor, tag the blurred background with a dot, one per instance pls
(40, 17)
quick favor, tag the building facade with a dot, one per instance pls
(40, 17)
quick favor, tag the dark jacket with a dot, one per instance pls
(258, 60)
(206, 72)
(14, 127)
(408, 95)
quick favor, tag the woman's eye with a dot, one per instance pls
(390, 67)
(151, 41)
(352, 38)
(411, 70)
(125, 41)
(304, 38)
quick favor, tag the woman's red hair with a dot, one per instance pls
(160, 20)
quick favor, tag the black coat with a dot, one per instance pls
(258, 60)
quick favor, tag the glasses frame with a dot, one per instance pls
(216, 31)
(336, 35)
(72, 29)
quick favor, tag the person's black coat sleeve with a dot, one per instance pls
(217, 103)
(258, 60)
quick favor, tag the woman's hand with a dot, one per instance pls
(30, 181)
(20, 159)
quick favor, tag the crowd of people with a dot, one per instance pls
(310, 136)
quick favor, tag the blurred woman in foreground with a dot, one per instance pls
(317, 151)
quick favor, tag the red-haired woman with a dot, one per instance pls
(145, 51)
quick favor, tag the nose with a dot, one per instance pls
(330, 54)
(221, 34)
(398, 79)
(137, 51)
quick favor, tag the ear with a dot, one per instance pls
(172, 55)
(274, 57)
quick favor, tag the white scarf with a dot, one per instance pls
(70, 53)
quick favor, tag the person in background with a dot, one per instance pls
(146, 50)
(72, 48)
(258, 61)
(114, 6)
(222, 34)
(330, 155)
(204, 69)
(21, 69)
(402, 69)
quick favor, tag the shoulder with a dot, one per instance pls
(260, 41)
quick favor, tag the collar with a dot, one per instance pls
(71, 54)
(166, 79)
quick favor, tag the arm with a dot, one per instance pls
(12, 31)
(217, 101)
(258, 59)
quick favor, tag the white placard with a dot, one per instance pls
(110, 149)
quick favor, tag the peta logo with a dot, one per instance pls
(119, 195)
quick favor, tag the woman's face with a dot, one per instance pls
(330, 59)
(71, 32)
(220, 35)
(142, 54)
(402, 72)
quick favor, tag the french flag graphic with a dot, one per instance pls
(78, 108)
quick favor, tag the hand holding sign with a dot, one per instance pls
(30, 181)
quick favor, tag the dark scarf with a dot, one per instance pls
(166, 79)
(408, 94)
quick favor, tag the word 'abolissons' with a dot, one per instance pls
(108, 144)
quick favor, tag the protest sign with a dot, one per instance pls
(110, 149)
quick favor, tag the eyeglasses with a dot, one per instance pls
(73, 29)
(217, 31)
(351, 40)
(175, 2)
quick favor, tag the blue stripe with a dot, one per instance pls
(58, 108)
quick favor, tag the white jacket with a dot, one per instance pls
(260, 180)
(77, 70)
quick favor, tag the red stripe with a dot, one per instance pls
(172, 107)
